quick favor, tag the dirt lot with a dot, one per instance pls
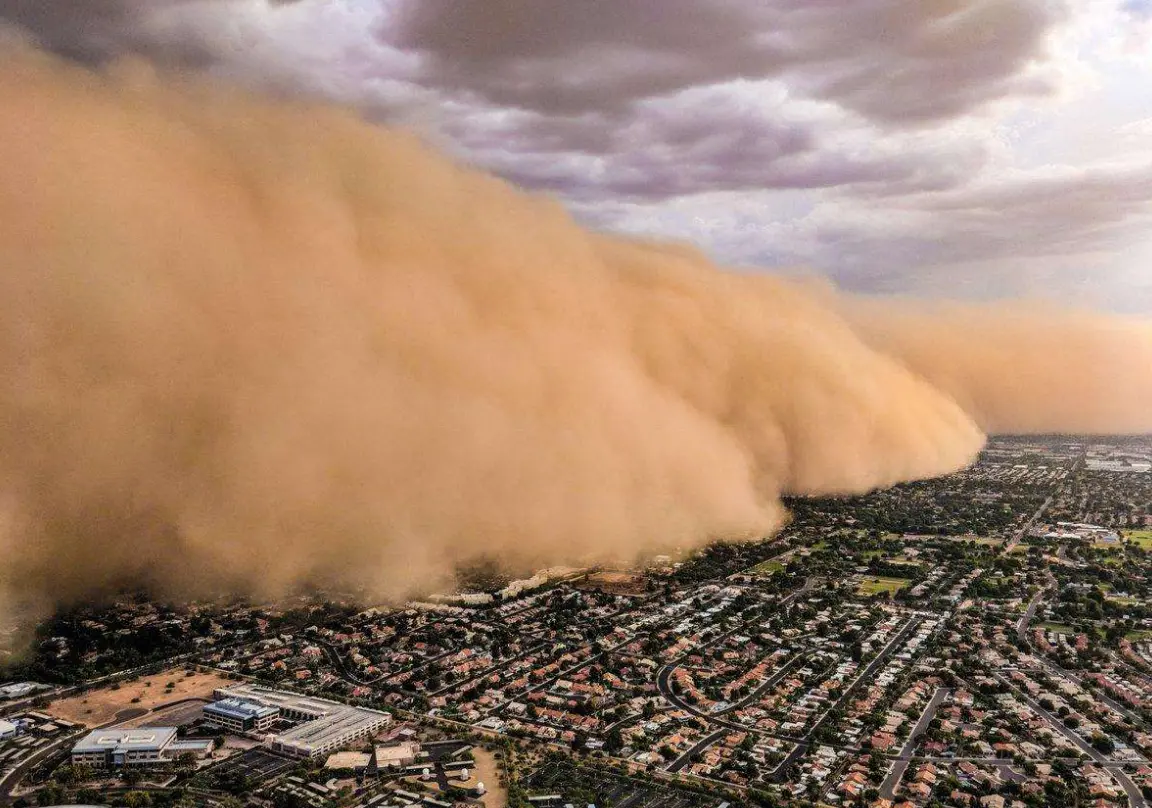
(98, 707)
(617, 583)
(487, 773)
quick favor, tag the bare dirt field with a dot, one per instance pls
(621, 583)
(98, 707)
(487, 773)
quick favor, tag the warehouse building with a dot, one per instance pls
(324, 726)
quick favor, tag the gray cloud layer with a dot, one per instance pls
(888, 60)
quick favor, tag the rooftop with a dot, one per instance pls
(126, 740)
(240, 709)
(326, 718)
(348, 760)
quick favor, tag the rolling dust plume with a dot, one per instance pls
(251, 345)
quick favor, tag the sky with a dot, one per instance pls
(945, 148)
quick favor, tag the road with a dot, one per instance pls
(768, 684)
(1019, 534)
(1097, 694)
(888, 788)
(9, 781)
(1026, 618)
(1115, 768)
(1022, 634)
(868, 672)
(686, 758)
(663, 676)
(664, 685)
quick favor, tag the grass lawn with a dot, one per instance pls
(1137, 636)
(868, 555)
(1141, 538)
(1107, 590)
(1056, 628)
(875, 586)
(987, 542)
(767, 568)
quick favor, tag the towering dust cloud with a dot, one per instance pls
(248, 345)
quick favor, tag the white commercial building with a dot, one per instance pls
(149, 746)
(241, 717)
(324, 727)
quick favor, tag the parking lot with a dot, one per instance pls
(178, 715)
(257, 765)
(604, 788)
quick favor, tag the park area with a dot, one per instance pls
(1141, 538)
(768, 568)
(135, 697)
(873, 585)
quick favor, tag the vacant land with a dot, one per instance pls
(486, 772)
(615, 582)
(1056, 628)
(876, 586)
(97, 707)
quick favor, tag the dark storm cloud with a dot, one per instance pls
(625, 99)
(699, 142)
(94, 30)
(886, 59)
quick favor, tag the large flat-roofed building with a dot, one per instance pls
(7, 730)
(324, 725)
(19, 690)
(115, 748)
(397, 756)
(241, 717)
(149, 746)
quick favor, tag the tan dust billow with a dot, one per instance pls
(249, 345)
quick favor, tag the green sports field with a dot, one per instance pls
(1142, 538)
(875, 586)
